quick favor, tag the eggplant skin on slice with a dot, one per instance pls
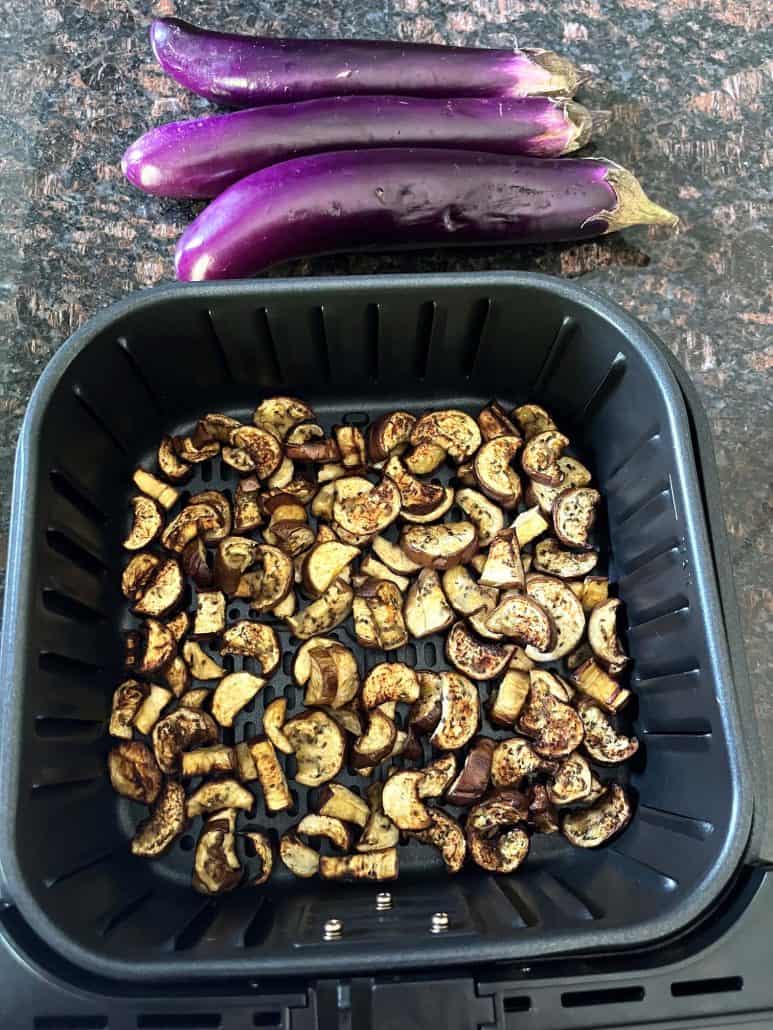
(167, 822)
(594, 826)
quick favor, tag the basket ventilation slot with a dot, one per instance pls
(554, 355)
(715, 985)
(70, 1022)
(64, 545)
(64, 484)
(136, 370)
(179, 1021)
(607, 996)
(99, 420)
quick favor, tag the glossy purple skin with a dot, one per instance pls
(392, 198)
(243, 71)
(201, 158)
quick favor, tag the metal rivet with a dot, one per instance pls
(333, 929)
(440, 922)
(383, 901)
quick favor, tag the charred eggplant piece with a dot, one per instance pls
(540, 457)
(494, 421)
(457, 433)
(555, 726)
(573, 473)
(597, 684)
(402, 803)
(324, 614)
(127, 701)
(210, 613)
(253, 640)
(202, 666)
(151, 708)
(150, 649)
(261, 845)
(390, 681)
(503, 568)
(175, 470)
(206, 761)
(390, 434)
(533, 420)
(572, 781)
(149, 485)
(379, 831)
(324, 563)
(416, 496)
(217, 795)
(234, 556)
(523, 619)
(369, 512)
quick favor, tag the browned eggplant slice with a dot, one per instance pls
(206, 761)
(133, 771)
(509, 697)
(325, 826)
(338, 801)
(476, 658)
(390, 681)
(160, 491)
(551, 558)
(368, 512)
(457, 433)
(253, 640)
(599, 823)
(521, 618)
(262, 447)
(181, 730)
(426, 608)
(447, 836)
(128, 698)
(216, 866)
(261, 845)
(379, 831)
(273, 720)
(375, 865)
(171, 466)
(603, 638)
(151, 708)
(376, 743)
(222, 507)
(597, 684)
(472, 781)
(299, 858)
(390, 434)
(210, 613)
(272, 581)
(493, 470)
(232, 693)
(425, 458)
(573, 473)
(494, 421)
(426, 709)
(147, 523)
(401, 801)
(202, 666)
(273, 782)
(565, 611)
(529, 525)
(149, 649)
(602, 742)
(571, 782)
(574, 513)
(233, 557)
(487, 517)
(385, 603)
(416, 496)
(533, 420)
(503, 567)
(324, 614)
(540, 457)
(324, 563)
(194, 520)
(459, 712)
(217, 795)
(319, 745)
(167, 822)
(555, 726)
(515, 760)
(436, 514)
(440, 546)
(280, 414)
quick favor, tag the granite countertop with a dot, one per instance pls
(689, 88)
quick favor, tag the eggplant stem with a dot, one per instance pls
(633, 205)
(584, 123)
(566, 77)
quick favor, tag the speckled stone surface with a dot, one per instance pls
(689, 87)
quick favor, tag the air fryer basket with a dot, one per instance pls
(354, 348)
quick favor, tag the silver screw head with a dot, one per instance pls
(383, 901)
(440, 922)
(332, 929)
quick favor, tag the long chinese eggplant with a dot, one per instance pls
(244, 71)
(201, 158)
(407, 197)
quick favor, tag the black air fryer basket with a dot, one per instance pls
(355, 348)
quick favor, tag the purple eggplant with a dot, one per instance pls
(407, 197)
(244, 71)
(201, 158)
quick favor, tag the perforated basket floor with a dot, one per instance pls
(354, 348)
